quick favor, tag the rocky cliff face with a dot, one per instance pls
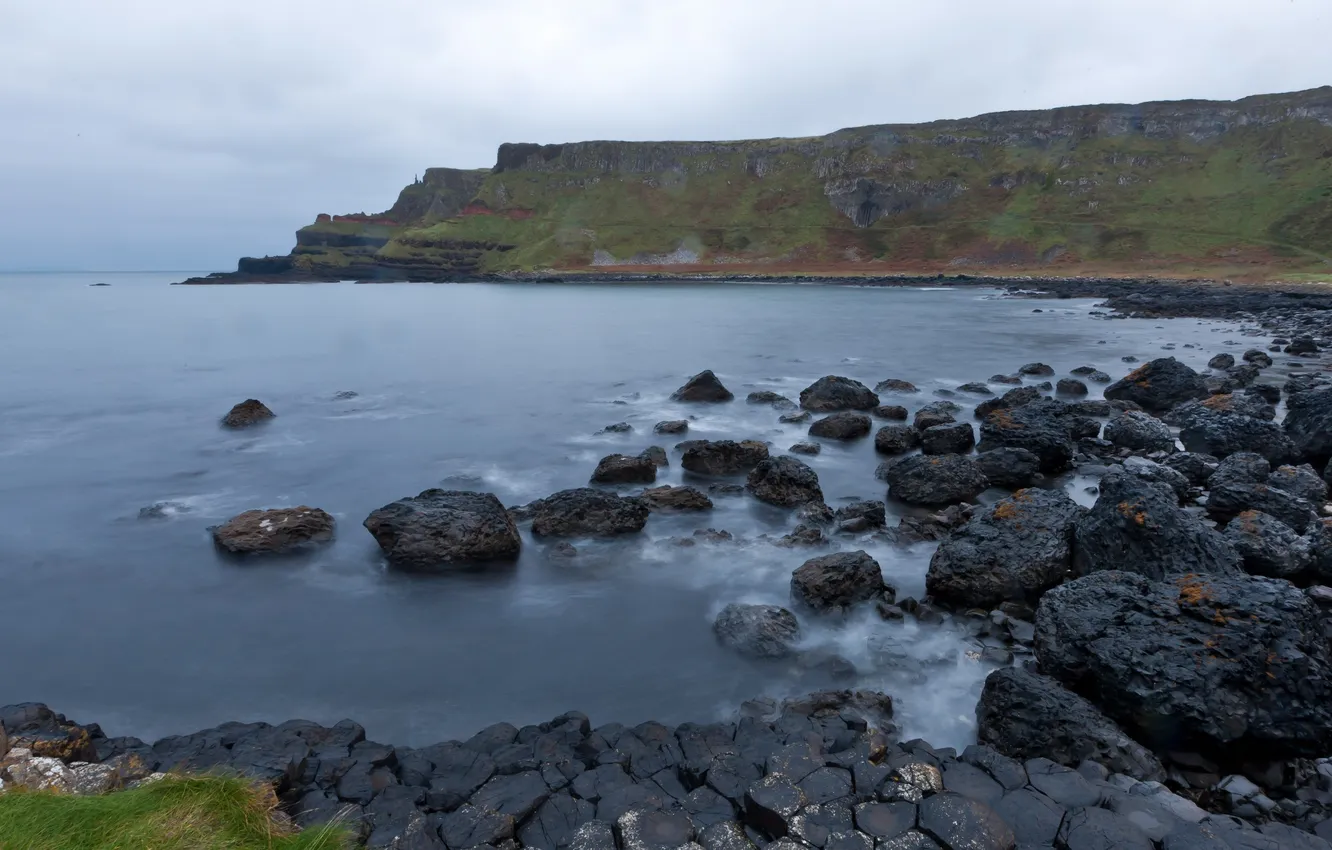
(1186, 187)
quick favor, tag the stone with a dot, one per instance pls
(832, 393)
(1258, 357)
(1308, 423)
(795, 418)
(471, 826)
(1091, 828)
(1301, 345)
(784, 482)
(1006, 771)
(1034, 817)
(1268, 546)
(1005, 379)
(654, 829)
(703, 387)
(517, 794)
(723, 457)
(975, 388)
(669, 499)
(861, 516)
(1010, 400)
(772, 399)
(894, 412)
(1038, 426)
(771, 802)
(1070, 387)
(884, 821)
(274, 532)
(1221, 361)
(1213, 427)
(958, 822)
(1010, 468)
(1137, 524)
(1232, 664)
(442, 528)
(1013, 550)
(1158, 385)
(1196, 468)
(1240, 483)
(896, 439)
(805, 448)
(1301, 481)
(842, 426)
(250, 412)
(1038, 370)
(1139, 432)
(556, 822)
(655, 455)
(954, 438)
(599, 835)
(1061, 784)
(671, 426)
(36, 773)
(935, 413)
(585, 512)
(761, 631)
(935, 480)
(971, 781)
(625, 469)
(617, 428)
(834, 583)
(1025, 715)
(895, 385)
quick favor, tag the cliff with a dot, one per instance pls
(1178, 188)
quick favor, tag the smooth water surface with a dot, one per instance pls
(112, 397)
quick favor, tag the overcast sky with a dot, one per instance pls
(181, 134)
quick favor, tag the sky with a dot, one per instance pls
(161, 134)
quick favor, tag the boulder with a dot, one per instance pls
(723, 457)
(1039, 370)
(1024, 715)
(896, 439)
(585, 512)
(1302, 345)
(1070, 387)
(832, 393)
(274, 532)
(1038, 426)
(252, 411)
(1308, 423)
(670, 499)
(1009, 400)
(805, 448)
(895, 385)
(935, 413)
(656, 455)
(935, 480)
(1240, 484)
(671, 426)
(1221, 361)
(625, 469)
(795, 418)
(785, 482)
(953, 438)
(1268, 546)
(1258, 357)
(772, 399)
(1158, 385)
(1232, 667)
(617, 428)
(834, 583)
(703, 387)
(1139, 432)
(894, 412)
(975, 388)
(1222, 426)
(1009, 380)
(1243, 376)
(861, 516)
(1160, 473)
(1301, 482)
(762, 631)
(1011, 469)
(1194, 466)
(842, 426)
(442, 528)
(1137, 524)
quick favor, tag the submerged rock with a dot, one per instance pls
(252, 411)
(587, 512)
(1070, 387)
(703, 387)
(805, 447)
(671, 426)
(935, 480)
(832, 392)
(772, 399)
(895, 385)
(625, 469)
(893, 412)
(785, 482)
(1039, 370)
(442, 528)
(834, 583)
(670, 499)
(842, 426)
(1158, 385)
(274, 532)
(723, 457)
(763, 631)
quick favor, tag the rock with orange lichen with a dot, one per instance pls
(1234, 667)
(935, 479)
(1158, 385)
(1045, 427)
(1268, 546)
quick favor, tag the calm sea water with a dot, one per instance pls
(111, 402)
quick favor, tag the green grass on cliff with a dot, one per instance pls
(198, 813)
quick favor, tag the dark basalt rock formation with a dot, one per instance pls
(1039, 370)
(703, 387)
(671, 426)
(1012, 551)
(252, 411)
(763, 631)
(772, 399)
(785, 482)
(1268, 546)
(1158, 385)
(1070, 387)
(892, 412)
(274, 532)
(587, 512)
(1241, 483)
(935, 413)
(440, 529)
(625, 469)
(834, 583)
(896, 439)
(1221, 361)
(1139, 432)
(1011, 469)
(935, 480)
(832, 393)
(670, 499)
(1308, 423)
(895, 385)
(1159, 473)
(722, 457)
(842, 426)
(1227, 424)
(953, 438)
(1038, 426)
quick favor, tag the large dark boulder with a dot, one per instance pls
(1195, 467)
(1008, 401)
(834, 583)
(723, 457)
(836, 393)
(1159, 385)
(1229, 666)
(896, 439)
(1139, 432)
(1220, 427)
(763, 631)
(274, 532)
(1308, 423)
(625, 469)
(1038, 426)
(1301, 482)
(842, 426)
(587, 512)
(895, 385)
(668, 499)
(1012, 551)
(1221, 361)
(935, 480)
(772, 399)
(936, 413)
(785, 482)
(252, 411)
(954, 438)
(1268, 546)
(1241, 483)
(442, 528)
(1024, 715)
(703, 387)
(1011, 469)
(1161, 474)
(1137, 524)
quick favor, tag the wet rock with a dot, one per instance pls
(471, 826)
(617, 428)
(894, 385)
(772, 399)
(1092, 828)
(1012, 399)
(1158, 385)
(164, 510)
(1009, 380)
(656, 455)
(625, 469)
(1258, 357)
(763, 631)
(587, 512)
(954, 438)
(896, 439)
(556, 822)
(935, 480)
(1037, 426)
(250, 412)
(1194, 466)
(861, 516)
(805, 448)
(1070, 387)
(441, 528)
(771, 802)
(1240, 484)
(1301, 482)
(958, 822)
(832, 393)
(670, 499)
(704, 387)
(655, 829)
(723, 457)
(1039, 370)
(1024, 715)
(798, 418)
(1268, 546)
(1224, 665)
(935, 413)
(1137, 525)
(1216, 427)
(894, 412)
(1010, 468)
(1221, 361)
(598, 835)
(1139, 432)
(671, 426)
(842, 426)
(885, 821)
(1014, 550)
(1160, 473)
(1309, 424)
(785, 482)
(975, 388)
(834, 583)
(1302, 345)
(274, 532)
